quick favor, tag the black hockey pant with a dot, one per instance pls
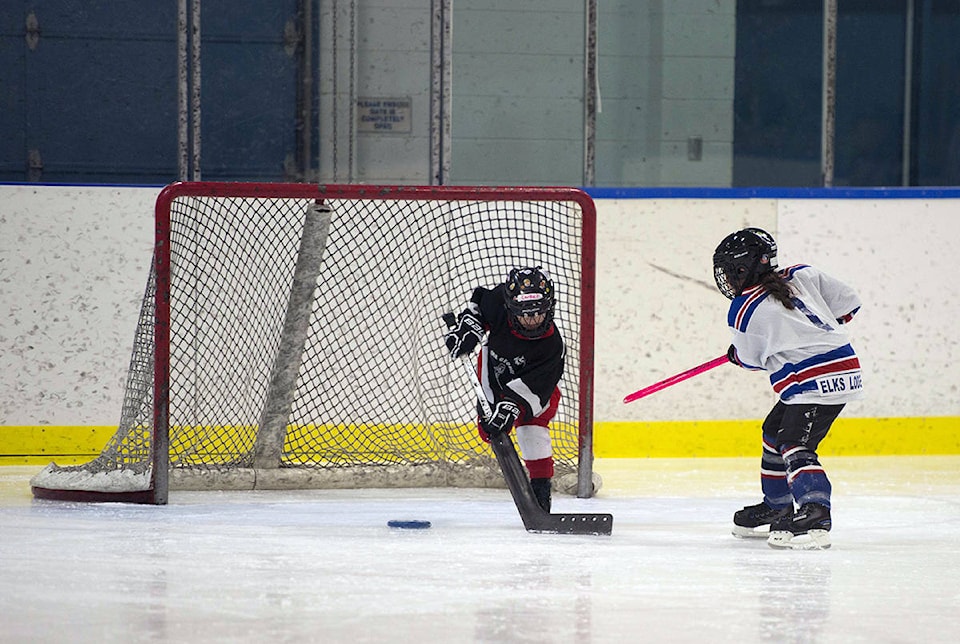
(789, 469)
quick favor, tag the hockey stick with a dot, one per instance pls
(534, 518)
(672, 380)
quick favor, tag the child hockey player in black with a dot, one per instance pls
(520, 364)
(787, 322)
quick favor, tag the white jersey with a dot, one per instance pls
(805, 350)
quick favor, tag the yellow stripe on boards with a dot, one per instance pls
(71, 445)
(40, 444)
(725, 438)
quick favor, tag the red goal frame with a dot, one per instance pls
(360, 192)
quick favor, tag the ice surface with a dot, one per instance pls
(323, 566)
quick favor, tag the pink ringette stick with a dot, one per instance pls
(680, 377)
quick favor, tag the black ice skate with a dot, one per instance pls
(753, 521)
(807, 529)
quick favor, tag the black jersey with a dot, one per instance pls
(527, 371)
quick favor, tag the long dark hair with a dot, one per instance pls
(774, 284)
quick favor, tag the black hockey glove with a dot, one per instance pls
(463, 338)
(501, 420)
(732, 355)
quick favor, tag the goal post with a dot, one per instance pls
(290, 336)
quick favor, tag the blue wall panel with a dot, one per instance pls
(96, 96)
(13, 143)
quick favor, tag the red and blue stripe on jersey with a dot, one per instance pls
(793, 379)
(743, 306)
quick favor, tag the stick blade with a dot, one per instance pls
(534, 517)
(592, 524)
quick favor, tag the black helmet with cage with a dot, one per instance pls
(742, 258)
(530, 300)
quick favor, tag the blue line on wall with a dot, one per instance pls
(668, 193)
(774, 193)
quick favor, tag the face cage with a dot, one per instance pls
(535, 332)
(724, 284)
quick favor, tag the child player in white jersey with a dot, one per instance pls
(788, 323)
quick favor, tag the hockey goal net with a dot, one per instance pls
(291, 337)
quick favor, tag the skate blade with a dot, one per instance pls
(812, 540)
(760, 532)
